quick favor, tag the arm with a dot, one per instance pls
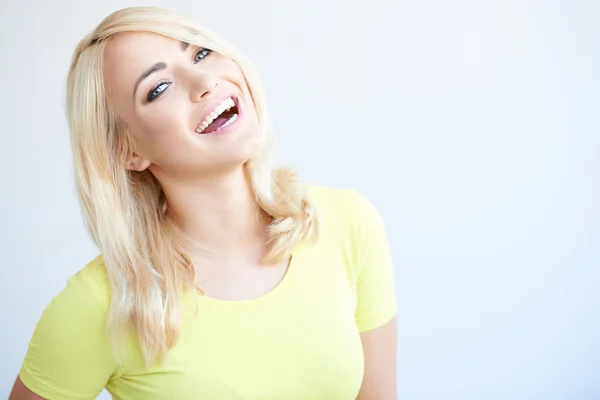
(70, 355)
(379, 347)
(20, 392)
(376, 303)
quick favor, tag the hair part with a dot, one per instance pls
(125, 211)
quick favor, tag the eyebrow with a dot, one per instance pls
(159, 66)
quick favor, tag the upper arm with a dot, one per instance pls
(20, 392)
(375, 289)
(69, 355)
(379, 348)
(376, 303)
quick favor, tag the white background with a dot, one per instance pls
(472, 125)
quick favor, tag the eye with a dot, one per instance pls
(201, 54)
(157, 91)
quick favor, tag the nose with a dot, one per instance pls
(202, 85)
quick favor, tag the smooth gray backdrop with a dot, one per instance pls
(472, 125)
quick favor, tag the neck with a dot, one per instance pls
(219, 214)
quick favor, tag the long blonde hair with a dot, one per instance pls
(125, 211)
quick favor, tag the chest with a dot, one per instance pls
(239, 281)
(298, 341)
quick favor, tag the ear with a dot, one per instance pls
(137, 163)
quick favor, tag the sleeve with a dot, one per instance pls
(376, 296)
(69, 355)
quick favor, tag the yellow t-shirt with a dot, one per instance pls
(299, 341)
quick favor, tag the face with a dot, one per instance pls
(187, 109)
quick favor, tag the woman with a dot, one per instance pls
(220, 277)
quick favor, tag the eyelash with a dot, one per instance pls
(152, 95)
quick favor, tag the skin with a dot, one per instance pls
(379, 348)
(202, 175)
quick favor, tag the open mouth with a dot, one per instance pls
(224, 114)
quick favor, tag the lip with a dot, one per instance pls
(210, 109)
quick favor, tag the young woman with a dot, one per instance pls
(220, 277)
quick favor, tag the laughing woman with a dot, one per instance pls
(219, 277)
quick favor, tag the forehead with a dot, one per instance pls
(129, 54)
(124, 42)
(139, 48)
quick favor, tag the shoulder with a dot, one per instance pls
(70, 350)
(77, 313)
(350, 222)
(342, 209)
(330, 196)
(86, 296)
(90, 284)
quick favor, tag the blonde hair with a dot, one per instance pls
(125, 211)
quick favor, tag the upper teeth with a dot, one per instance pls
(225, 105)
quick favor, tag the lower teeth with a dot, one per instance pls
(229, 122)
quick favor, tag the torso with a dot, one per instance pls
(297, 341)
(239, 281)
(268, 335)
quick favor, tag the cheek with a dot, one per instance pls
(163, 126)
(230, 71)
